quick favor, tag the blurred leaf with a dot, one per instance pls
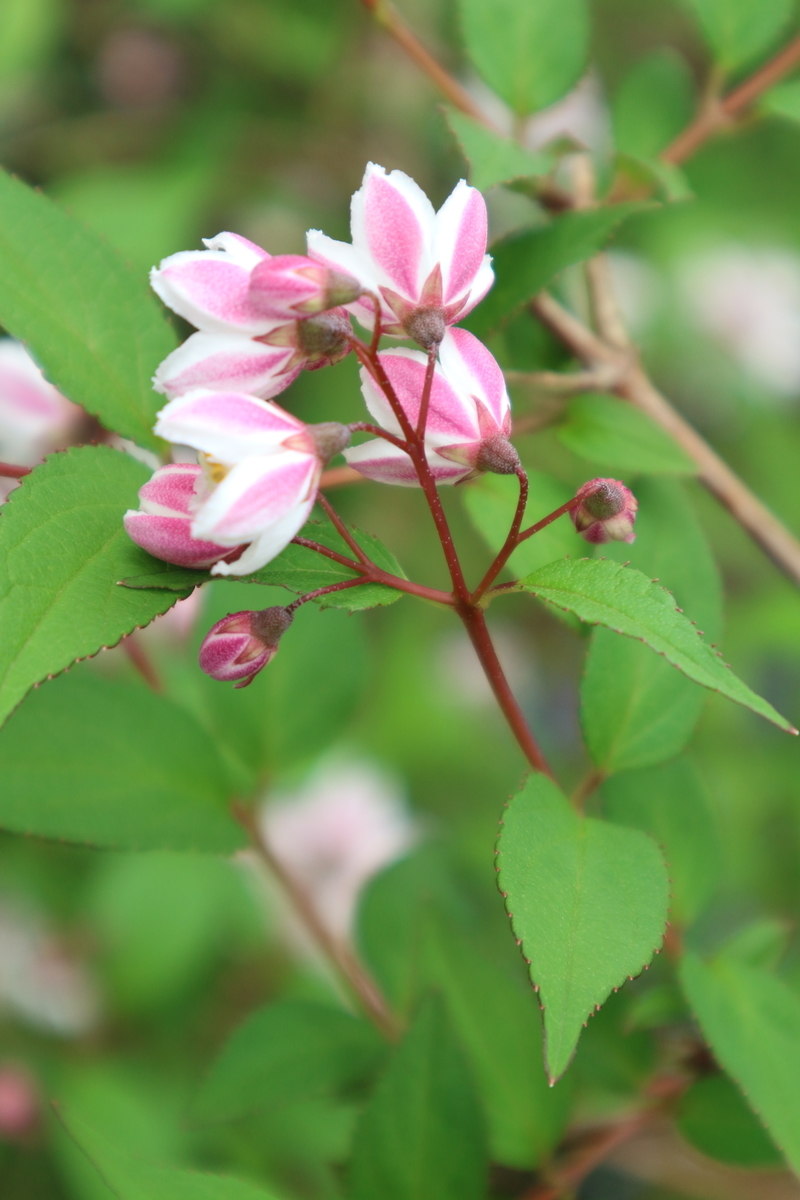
(588, 900)
(421, 1136)
(63, 548)
(293, 41)
(292, 1050)
(162, 919)
(739, 30)
(132, 1178)
(526, 262)
(498, 1024)
(783, 101)
(653, 104)
(301, 570)
(88, 319)
(494, 159)
(29, 31)
(112, 765)
(618, 436)
(658, 1006)
(529, 51)
(636, 709)
(759, 944)
(670, 803)
(714, 1117)
(751, 1021)
(652, 176)
(602, 592)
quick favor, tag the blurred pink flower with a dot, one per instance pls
(345, 825)
(34, 417)
(19, 1102)
(428, 268)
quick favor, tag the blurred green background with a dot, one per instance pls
(164, 121)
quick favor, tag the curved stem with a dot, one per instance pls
(342, 529)
(511, 542)
(371, 574)
(10, 471)
(367, 427)
(325, 591)
(548, 520)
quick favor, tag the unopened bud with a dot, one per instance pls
(606, 512)
(291, 285)
(241, 644)
(325, 339)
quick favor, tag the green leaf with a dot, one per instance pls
(526, 262)
(588, 901)
(62, 550)
(112, 765)
(653, 104)
(90, 322)
(739, 30)
(132, 1178)
(497, 1021)
(636, 709)
(301, 570)
(602, 592)
(761, 943)
(783, 101)
(751, 1020)
(421, 1136)
(714, 1117)
(619, 437)
(492, 158)
(669, 803)
(529, 51)
(491, 501)
(289, 1051)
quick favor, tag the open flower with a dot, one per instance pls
(469, 415)
(222, 290)
(261, 469)
(162, 524)
(428, 268)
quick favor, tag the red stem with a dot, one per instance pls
(342, 529)
(366, 427)
(372, 574)
(511, 542)
(324, 591)
(9, 471)
(545, 521)
(427, 388)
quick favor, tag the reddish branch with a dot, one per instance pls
(9, 471)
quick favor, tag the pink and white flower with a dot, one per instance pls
(261, 470)
(242, 644)
(238, 345)
(34, 417)
(162, 524)
(469, 414)
(428, 268)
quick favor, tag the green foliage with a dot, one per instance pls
(605, 430)
(132, 1178)
(530, 51)
(524, 263)
(29, 32)
(602, 592)
(494, 159)
(111, 765)
(63, 550)
(751, 1020)
(588, 902)
(670, 803)
(715, 1118)
(289, 1051)
(421, 1137)
(784, 100)
(636, 709)
(491, 501)
(653, 104)
(85, 316)
(739, 30)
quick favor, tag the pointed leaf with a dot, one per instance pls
(62, 550)
(288, 1051)
(587, 900)
(739, 30)
(714, 1117)
(91, 323)
(494, 159)
(751, 1020)
(602, 592)
(421, 1136)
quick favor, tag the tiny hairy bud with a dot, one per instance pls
(324, 339)
(606, 512)
(241, 644)
(330, 438)
(498, 456)
(427, 326)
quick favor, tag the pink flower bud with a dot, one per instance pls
(162, 525)
(19, 1103)
(606, 512)
(291, 285)
(241, 645)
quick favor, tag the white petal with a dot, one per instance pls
(255, 495)
(226, 362)
(396, 233)
(241, 251)
(271, 542)
(230, 426)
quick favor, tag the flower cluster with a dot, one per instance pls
(441, 413)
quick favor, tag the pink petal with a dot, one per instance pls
(209, 289)
(226, 362)
(257, 493)
(470, 368)
(482, 283)
(169, 538)
(393, 221)
(238, 249)
(461, 232)
(451, 414)
(386, 463)
(230, 426)
(271, 542)
(169, 493)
